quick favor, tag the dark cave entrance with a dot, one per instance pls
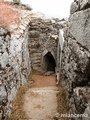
(49, 63)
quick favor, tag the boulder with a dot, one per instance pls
(84, 4)
(73, 8)
(79, 24)
(2, 31)
(48, 73)
(75, 71)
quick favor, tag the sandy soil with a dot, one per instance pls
(43, 81)
(40, 102)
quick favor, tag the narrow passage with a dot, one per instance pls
(40, 102)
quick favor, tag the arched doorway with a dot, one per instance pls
(49, 62)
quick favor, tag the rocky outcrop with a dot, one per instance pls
(79, 5)
(24, 41)
(14, 68)
(75, 72)
(14, 62)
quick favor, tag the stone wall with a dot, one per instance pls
(75, 72)
(26, 41)
(14, 67)
(43, 35)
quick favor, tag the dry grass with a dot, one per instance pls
(17, 110)
(62, 103)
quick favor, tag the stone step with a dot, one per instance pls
(36, 54)
(36, 62)
(35, 58)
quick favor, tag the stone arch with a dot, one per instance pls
(49, 63)
(46, 51)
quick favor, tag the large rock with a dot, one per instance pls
(79, 24)
(74, 7)
(84, 4)
(79, 5)
(75, 71)
(14, 67)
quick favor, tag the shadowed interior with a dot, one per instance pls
(49, 62)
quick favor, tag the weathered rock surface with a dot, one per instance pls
(75, 70)
(84, 4)
(14, 68)
(15, 64)
(79, 5)
(74, 7)
(79, 27)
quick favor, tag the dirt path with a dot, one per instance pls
(40, 101)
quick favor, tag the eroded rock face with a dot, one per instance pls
(14, 68)
(76, 61)
(79, 27)
(79, 5)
